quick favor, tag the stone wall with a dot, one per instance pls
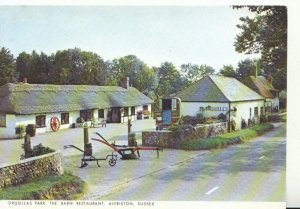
(169, 139)
(31, 168)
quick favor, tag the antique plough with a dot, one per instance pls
(123, 149)
(87, 156)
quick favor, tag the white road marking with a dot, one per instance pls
(262, 157)
(212, 190)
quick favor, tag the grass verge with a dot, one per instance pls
(226, 139)
(64, 187)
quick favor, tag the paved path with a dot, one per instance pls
(253, 171)
(11, 150)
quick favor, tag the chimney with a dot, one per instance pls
(255, 71)
(125, 83)
(25, 80)
(270, 79)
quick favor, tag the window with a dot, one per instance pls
(87, 115)
(125, 111)
(174, 104)
(250, 112)
(2, 120)
(64, 118)
(101, 113)
(132, 111)
(256, 111)
(145, 107)
(261, 110)
(40, 121)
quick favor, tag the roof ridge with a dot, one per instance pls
(218, 86)
(192, 84)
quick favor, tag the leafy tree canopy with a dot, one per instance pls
(265, 33)
(7, 67)
(195, 72)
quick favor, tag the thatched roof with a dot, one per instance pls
(24, 98)
(216, 88)
(261, 85)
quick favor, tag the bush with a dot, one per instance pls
(79, 120)
(20, 130)
(244, 124)
(190, 120)
(222, 117)
(226, 139)
(31, 129)
(263, 119)
(233, 125)
(37, 151)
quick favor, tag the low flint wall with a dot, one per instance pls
(31, 168)
(168, 139)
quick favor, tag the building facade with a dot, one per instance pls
(264, 87)
(214, 95)
(23, 104)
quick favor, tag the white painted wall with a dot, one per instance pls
(274, 102)
(13, 120)
(193, 108)
(243, 110)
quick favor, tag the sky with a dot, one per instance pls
(155, 34)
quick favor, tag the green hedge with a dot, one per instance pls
(64, 187)
(226, 139)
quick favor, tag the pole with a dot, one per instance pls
(86, 135)
(229, 122)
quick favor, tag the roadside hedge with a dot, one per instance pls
(225, 140)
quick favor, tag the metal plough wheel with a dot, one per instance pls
(112, 162)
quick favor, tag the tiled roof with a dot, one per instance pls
(214, 88)
(261, 85)
(26, 98)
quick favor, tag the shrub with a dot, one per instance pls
(31, 129)
(190, 120)
(233, 125)
(79, 120)
(222, 117)
(244, 124)
(37, 151)
(20, 130)
(263, 119)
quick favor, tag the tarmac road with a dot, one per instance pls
(254, 171)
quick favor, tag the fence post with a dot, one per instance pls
(27, 145)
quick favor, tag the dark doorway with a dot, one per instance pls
(167, 104)
(115, 115)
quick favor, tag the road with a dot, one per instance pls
(253, 171)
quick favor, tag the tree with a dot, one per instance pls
(245, 69)
(22, 65)
(228, 71)
(141, 76)
(195, 72)
(169, 80)
(266, 33)
(7, 67)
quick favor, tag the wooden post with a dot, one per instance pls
(86, 135)
(129, 126)
(88, 150)
(27, 145)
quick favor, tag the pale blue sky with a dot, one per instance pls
(182, 34)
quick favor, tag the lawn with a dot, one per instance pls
(55, 187)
